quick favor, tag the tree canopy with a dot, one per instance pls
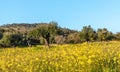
(25, 34)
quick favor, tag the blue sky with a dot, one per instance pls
(73, 14)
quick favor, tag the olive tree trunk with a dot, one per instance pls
(47, 42)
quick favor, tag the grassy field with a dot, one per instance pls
(85, 57)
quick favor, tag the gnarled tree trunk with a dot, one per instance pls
(47, 42)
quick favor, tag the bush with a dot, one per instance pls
(11, 40)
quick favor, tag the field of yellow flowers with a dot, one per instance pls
(85, 57)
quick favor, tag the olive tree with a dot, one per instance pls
(45, 30)
(87, 34)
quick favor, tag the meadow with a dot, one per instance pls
(84, 57)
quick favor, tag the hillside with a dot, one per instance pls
(18, 27)
(25, 27)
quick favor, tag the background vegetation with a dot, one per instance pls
(24, 34)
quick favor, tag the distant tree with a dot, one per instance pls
(11, 40)
(111, 36)
(2, 30)
(1, 35)
(45, 31)
(73, 38)
(62, 35)
(59, 39)
(5, 42)
(104, 35)
(87, 34)
(117, 35)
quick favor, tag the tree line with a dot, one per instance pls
(24, 34)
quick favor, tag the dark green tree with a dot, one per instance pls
(104, 35)
(11, 40)
(87, 34)
(117, 35)
(45, 31)
(1, 35)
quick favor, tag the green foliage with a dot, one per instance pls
(117, 36)
(59, 39)
(2, 30)
(5, 41)
(45, 31)
(73, 38)
(11, 40)
(50, 33)
(104, 35)
(87, 34)
(1, 35)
